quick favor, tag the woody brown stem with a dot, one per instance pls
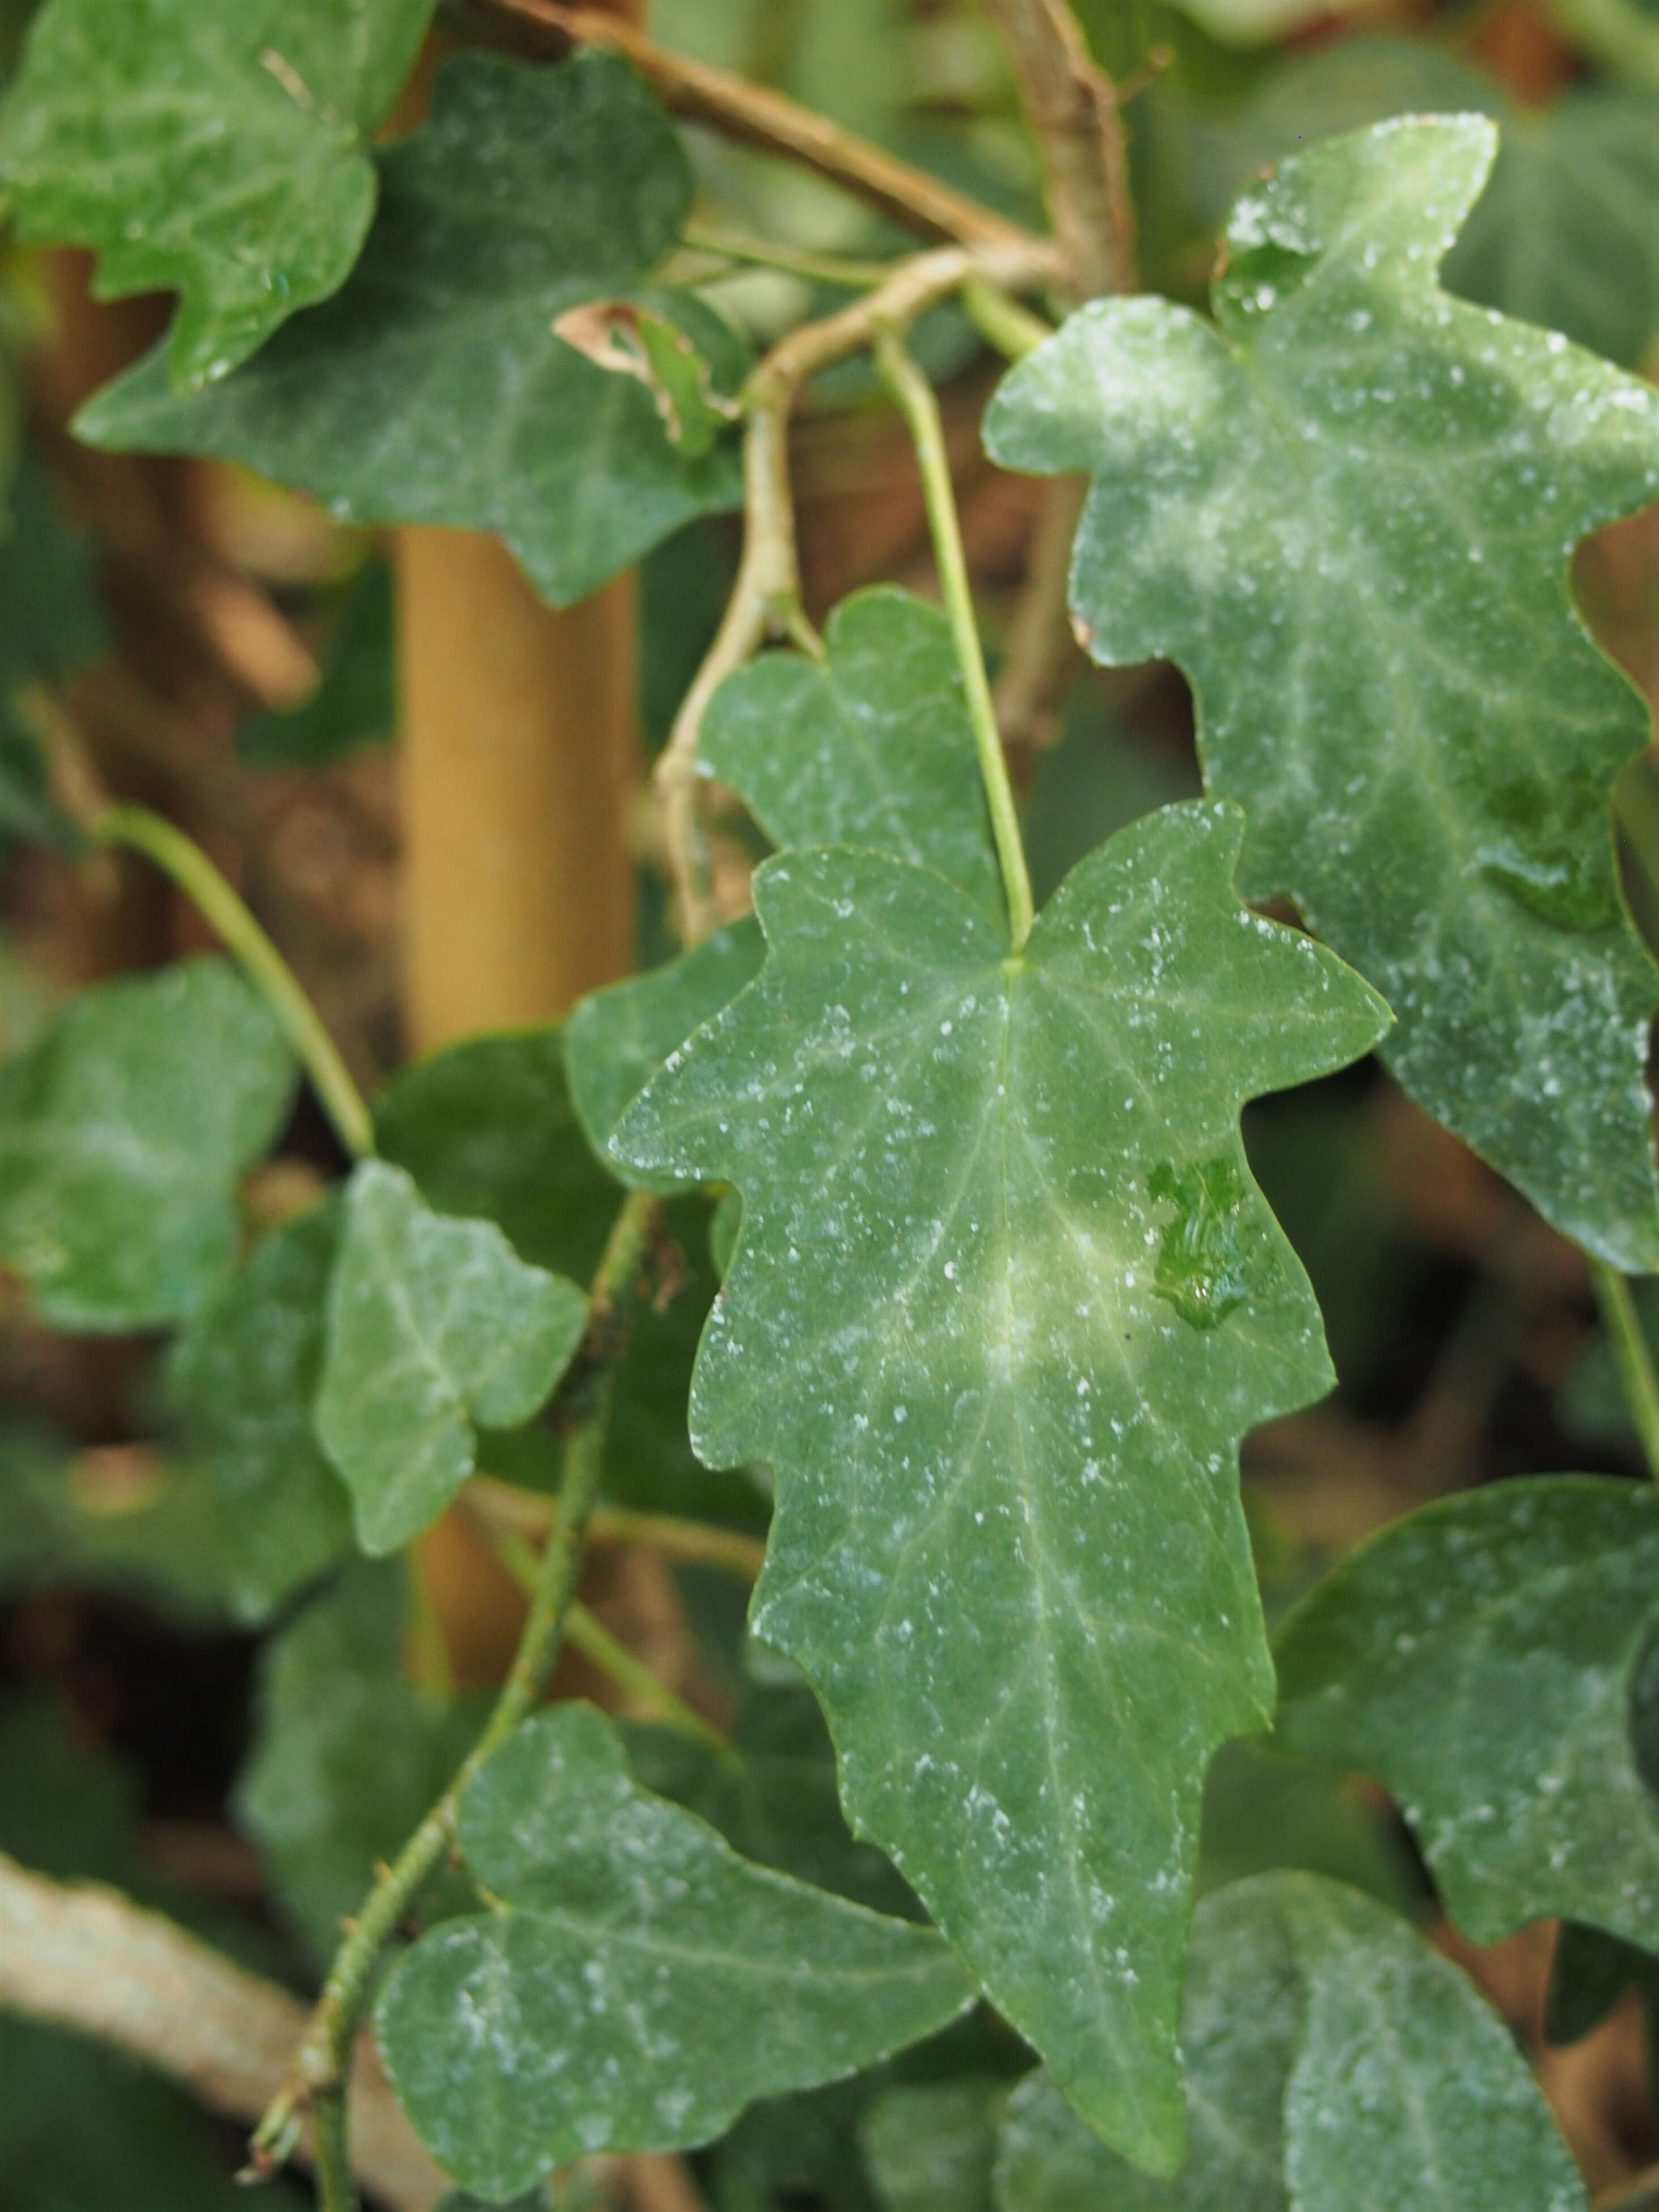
(1074, 111)
(85, 1957)
(760, 116)
(766, 599)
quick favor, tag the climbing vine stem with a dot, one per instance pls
(920, 406)
(316, 2082)
(766, 599)
(608, 1653)
(185, 862)
(1631, 1356)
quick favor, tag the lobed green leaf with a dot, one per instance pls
(1564, 233)
(246, 1372)
(773, 1796)
(486, 1128)
(1481, 1657)
(1345, 511)
(214, 147)
(435, 1327)
(348, 1756)
(1318, 2032)
(529, 191)
(877, 745)
(872, 748)
(636, 1982)
(124, 1133)
(1004, 1301)
(617, 1038)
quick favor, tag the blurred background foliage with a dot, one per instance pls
(186, 636)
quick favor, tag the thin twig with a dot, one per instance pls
(316, 2075)
(766, 599)
(1074, 111)
(760, 116)
(85, 1957)
(765, 603)
(698, 1543)
(919, 403)
(1631, 1356)
(186, 865)
(850, 274)
(629, 1673)
(1002, 322)
(585, 1634)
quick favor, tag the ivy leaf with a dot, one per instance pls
(1263, 1810)
(1347, 513)
(349, 1757)
(870, 749)
(930, 2147)
(123, 1135)
(486, 1127)
(1481, 1658)
(1562, 235)
(529, 191)
(617, 1038)
(1004, 1301)
(434, 1327)
(1317, 2031)
(638, 1983)
(773, 1796)
(208, 149)
(246, 1373)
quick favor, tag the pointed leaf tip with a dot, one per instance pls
(1347, 516)
(435, 1328)
(1008, 1515)
(638, 1983)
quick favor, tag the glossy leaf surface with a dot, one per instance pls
(1563, 232)
(214, 147)
(435, 1327)
(485, 1127)
(773, 1798)
(246, 1372)
(1004, 1301)
(1481, 1658)
(873, 748)
(530, 191)
(349, 1757)
(617, 1039)
(123, 1135)
(1347, 513)
(639, 1983)
(1317, 2034)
